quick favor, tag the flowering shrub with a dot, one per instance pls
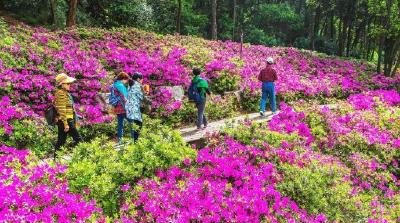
(93, 55)
(99, 171)
(308, 164)
(288, 121)
(228, 185)
(32, 192)
(366, 100)
(343, 167)
(7, 115)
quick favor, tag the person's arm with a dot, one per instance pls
(260, 75)
(61, 106)
(139, 93)
(275, 75)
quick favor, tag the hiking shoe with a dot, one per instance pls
(261, 113)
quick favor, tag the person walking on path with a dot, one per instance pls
(133, 105)
(202, 88)
(268, 77)
(120, 90)
(66, 115)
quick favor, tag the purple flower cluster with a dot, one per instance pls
(288, 121)
(366, 100)
(229, 184)
(93, 56)
(8, 113)
(32, 192)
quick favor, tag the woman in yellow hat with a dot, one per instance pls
(66, 114)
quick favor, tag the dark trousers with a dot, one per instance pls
(62, 135)
(201, 117)
(134, 130)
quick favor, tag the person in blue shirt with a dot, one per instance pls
(133, 104)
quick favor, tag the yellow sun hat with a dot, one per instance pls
(64, 79)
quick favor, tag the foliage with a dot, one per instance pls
(226, 81)
(322, 188)
(32, 134)
(217, 107)
(250, 101)
(258, 36)
(277, 22)
(257, 134)
(99, 170)
(227, 184)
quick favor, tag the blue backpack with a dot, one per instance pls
(114, 98)
(193, 92)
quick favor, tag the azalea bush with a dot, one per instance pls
(93, 56)
(33, 134)
(322, 172)
(34, 192)
(309, 163)
(322, 187)
(99, 171)
(228, 184)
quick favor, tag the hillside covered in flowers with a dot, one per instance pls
(310, 163)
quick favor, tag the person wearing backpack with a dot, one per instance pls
(133, 104)
(198, 91)
(118, 95)
(268, 77)
(66, 118)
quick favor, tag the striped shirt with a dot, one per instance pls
(64, 106)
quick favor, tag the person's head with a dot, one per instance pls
(196, 71)
(64, 81)
(270, 60)
(137, 77)
(123, 77)
(153, 77)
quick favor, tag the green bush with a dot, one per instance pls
(226, 81)
(257, 134)
(31, 134)
(99, 170)
(250, 101)
(106, 130)
(258, 36)
(322, 189)
(221, 107)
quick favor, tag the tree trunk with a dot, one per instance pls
(332, 25)
(53, 8)
(391, 49)
(342, 38)
(380, 49)
(396, 66)
(71, 16)
(214, 19)
(241, 44)
(348, 48)
(179, 17)
(311, 29)
(234, 18)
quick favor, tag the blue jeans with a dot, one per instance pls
(268, 91)
(134, 131)
(201, 117)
